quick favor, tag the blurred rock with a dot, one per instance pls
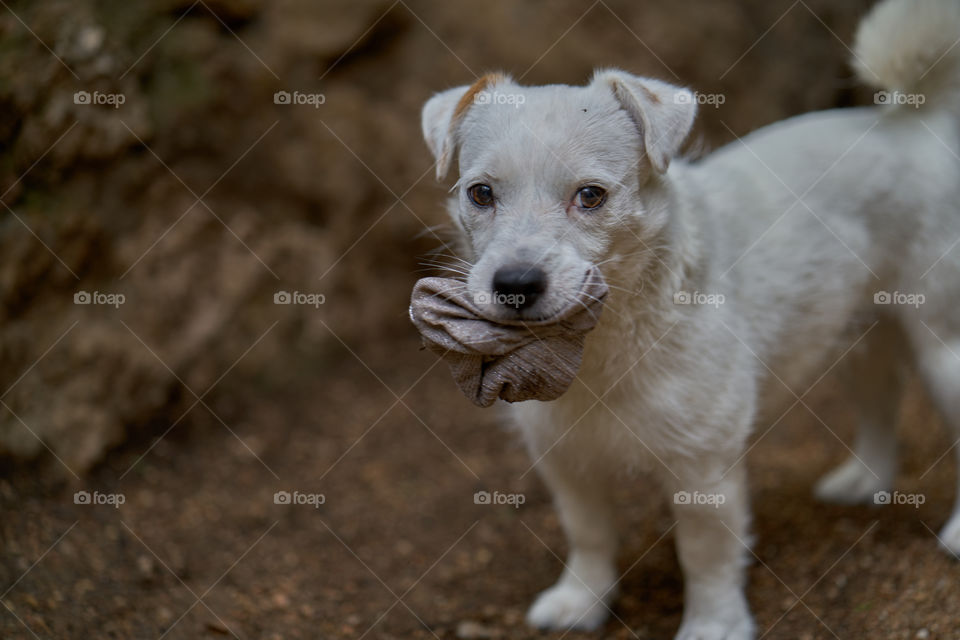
(471, 630)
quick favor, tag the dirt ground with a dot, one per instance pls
(399, 549)
(338, 403)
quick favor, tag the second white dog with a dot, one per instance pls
(737, 282)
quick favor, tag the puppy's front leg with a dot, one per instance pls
(711, 533)
(581, 596)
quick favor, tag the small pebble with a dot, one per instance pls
(145, 565)
(90, 40)
(470, 630)
(82, 587)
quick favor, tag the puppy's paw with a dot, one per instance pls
(950, 536)
(725, 627)
(568, 606)
(850, 483)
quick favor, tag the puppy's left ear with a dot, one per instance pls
(443, 113)
(662, 112)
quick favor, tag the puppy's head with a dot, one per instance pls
(553, 179)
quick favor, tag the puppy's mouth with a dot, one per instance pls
(529, 304)
(512, 359)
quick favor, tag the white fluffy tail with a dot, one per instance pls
(911, 48)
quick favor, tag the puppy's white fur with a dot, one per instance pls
(792, 231)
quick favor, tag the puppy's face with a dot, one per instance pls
(551, 179)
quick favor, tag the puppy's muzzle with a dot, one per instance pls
(518, 286)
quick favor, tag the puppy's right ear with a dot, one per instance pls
(662, 112)
(437, 122)
(443, 114)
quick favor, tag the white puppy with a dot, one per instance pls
(737, 281)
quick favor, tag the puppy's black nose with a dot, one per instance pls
(518, 286)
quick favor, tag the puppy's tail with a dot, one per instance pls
(909, 49)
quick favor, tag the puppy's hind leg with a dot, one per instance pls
(938, 358)
(580, 598)
(875, 376)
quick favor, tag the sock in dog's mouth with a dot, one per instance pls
(513, 359)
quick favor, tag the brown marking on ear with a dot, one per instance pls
(467, 99)
(650, 95)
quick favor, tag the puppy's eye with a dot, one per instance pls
(481, 195)
(590, 197)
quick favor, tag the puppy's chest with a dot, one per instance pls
(617, 354)
(617, 428)
(621, 381)
(603, 370)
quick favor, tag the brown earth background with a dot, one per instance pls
(199, 198)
